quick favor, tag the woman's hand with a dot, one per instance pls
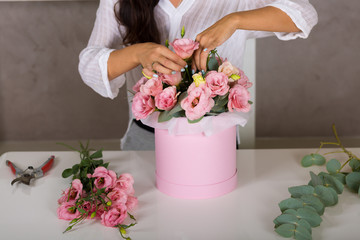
(156, 57)
(212, 37)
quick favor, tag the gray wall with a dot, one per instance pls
(302, 86)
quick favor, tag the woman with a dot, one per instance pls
(135, 34)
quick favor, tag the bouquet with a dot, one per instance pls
(97, 193)
(192, 94)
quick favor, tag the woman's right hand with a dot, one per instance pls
(157, 57)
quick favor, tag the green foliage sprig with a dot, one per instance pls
(303, 210)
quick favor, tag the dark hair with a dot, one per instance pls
(137, 16)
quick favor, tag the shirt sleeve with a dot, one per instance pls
(105, 37)
(301, 12)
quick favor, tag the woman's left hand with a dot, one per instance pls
(212, 37)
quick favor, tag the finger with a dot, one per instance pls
(203, 58)
(177, 63)
(197, 58)
(172, 66)
(148, 73)
(162, 69)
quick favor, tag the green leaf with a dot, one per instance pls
(285, 218)
(305, 224)
(310, 216)
(312, 159)
(195, 121)
(81, 210)
(67, 173)
(290, 211)
(327, 195)
(302, 233)
(330, 180)
(164, 116)
(312, 201)
(316, 180)
(75, 169)
(333, 166)
(182, 31)
(353, 181)
(293, 203)
(355, 165)
(298, 191)
(97, 154)
(167, 43)
(286, 230)
(212, 63)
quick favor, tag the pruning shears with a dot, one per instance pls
(31, 172)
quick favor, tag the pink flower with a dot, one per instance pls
(136, 87)
(72, 193)
(131, 203)
(171, 79)
(152, 87)
(217, 82)
(142, 105)
(184, 47)
(116, 215)
(67, 211)
(198, 102)
(104, 178)
(118, 196)
(125, 182)
(244, 81)
(239, 99)
(167, 99)
(228, 69)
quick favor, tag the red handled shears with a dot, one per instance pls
(31, 172)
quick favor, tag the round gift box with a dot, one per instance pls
(196, 166)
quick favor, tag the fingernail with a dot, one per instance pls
(183, 70)
(173, 72)
(203, 72)
(155, 75)
(205, 49)
(186, 66)
(193, 71)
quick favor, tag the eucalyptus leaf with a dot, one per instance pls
(67, 173)
(333, 166)
(313, 159)
(75, 169)
(212, 63)
(311, 200)
(310, 216)
(290, 211)
(164, 116)
(305, 224)
(316, 180)
(302, 233)
(298, 191)
(353, 181)
(327, 195)
(293, 203)
(285, 218)
(355, 165)
(286, 230)
(330, 180)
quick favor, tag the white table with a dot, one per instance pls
(29, 212)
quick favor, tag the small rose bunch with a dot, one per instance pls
(97, 193)
(221, 88)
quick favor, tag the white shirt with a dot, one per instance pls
(196, 16)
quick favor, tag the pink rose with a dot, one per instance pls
(239, 99)
(152, 87)
(217, 82)
(68, 211)
(116, 215)
(118, 196)
(184, 47)
(167, 99)
(136, 87)
(171, 79)
(198, 102)
(104, 178)
(228, 69)
(142, 105)
(131, 203)
(125, 182)
(244, 81)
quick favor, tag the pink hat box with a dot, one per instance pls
(196, 166)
